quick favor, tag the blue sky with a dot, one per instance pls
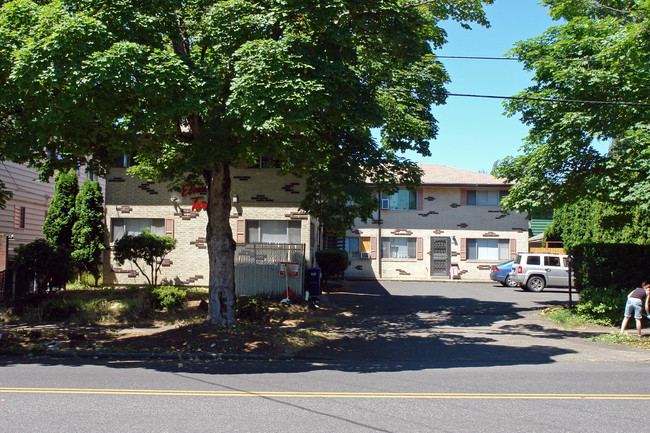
(474, 133)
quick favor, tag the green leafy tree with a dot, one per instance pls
(61, 215)
(89, 231)
(43, 262)
(592, 221)
(600, 56)
(199, 86)
(148, 248)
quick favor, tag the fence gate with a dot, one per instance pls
(257, 269)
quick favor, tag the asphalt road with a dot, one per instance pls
(488, 323)
(493, 365)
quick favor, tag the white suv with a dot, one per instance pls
(534, 271)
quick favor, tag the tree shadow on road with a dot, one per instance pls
(384, 332)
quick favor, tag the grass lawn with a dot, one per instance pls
(567, 318)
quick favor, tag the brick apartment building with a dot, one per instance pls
(452, 222)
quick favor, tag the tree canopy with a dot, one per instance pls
(198, 86)
(595, 67)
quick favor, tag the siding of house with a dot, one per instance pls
(262, 195)
(30, 194)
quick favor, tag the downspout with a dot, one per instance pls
(379, 237)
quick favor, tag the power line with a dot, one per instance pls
(565, 101)
(518, 59)
(524, 98)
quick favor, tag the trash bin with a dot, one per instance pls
(313, 281)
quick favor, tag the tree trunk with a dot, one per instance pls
(221, 247)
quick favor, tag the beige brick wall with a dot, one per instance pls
(262, 195)
(442, 215)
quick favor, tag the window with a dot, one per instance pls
(401, 200)
(19, 217)
(485, 197)
(124, 161)
(533, 260)
(273, 232)
(264, 162)
(135, 226)
(551, 261)
(358, 248)
(399, 248)
(488, 249)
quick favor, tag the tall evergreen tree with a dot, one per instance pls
(61, 215)
(89, 231)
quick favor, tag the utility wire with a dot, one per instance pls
(518, 59)
(524, 98)
(565, 101)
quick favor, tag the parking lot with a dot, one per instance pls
(479, 322)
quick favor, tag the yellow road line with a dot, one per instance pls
(296, 394)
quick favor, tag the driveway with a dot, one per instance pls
(472, 322)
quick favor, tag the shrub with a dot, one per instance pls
(167, 297)
(42, 261)
(602, 304)
(57, 310)
(332, 262)
(251, 308)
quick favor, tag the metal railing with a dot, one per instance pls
(257, 269)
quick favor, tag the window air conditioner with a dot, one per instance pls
(365, 255)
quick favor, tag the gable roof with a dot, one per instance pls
(441, 175)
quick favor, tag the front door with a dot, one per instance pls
(440, 257)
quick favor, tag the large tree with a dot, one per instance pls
(592, 83)
(198, 86)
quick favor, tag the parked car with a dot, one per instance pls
(500, 273)
(535, 271)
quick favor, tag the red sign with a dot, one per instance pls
(198, 205)
(291, 268)
(198, 202)
(191, 190)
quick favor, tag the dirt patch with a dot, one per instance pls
(286, 329)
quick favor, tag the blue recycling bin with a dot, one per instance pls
(313, 281)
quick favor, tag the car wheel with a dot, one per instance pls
(508, 282)
(536, 284)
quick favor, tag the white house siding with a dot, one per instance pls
(442, 213)
(30, 194)
(262, 195)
